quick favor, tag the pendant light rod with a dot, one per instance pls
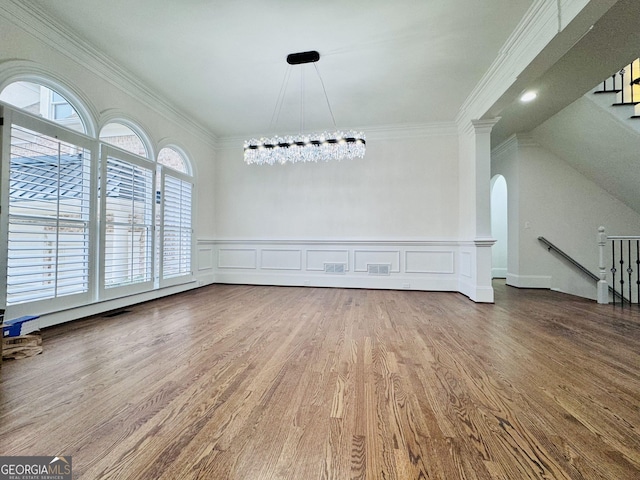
(326, 96)
(302, 101)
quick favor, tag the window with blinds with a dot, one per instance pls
(176, 226)
(83, 227)
(127, 195)
(48, 220)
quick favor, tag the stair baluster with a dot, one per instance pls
(613, 268)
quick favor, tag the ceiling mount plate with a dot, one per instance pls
(303, 57)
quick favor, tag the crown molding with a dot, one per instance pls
(508, 145)
(525, 139)
(39, 23)
(413, 130)
(515, 141)
(568, 10)
(535, 30)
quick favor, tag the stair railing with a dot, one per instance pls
(550, 246)
(624, 83)
(625, 268)
(606, 289)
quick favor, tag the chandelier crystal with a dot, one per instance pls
(313, 147)
(305, 147)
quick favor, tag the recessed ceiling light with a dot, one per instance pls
(528, 96)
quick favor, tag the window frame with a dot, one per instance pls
(135, 129)
(108, 293)
(183, 177)
(96, 223)
(13, 116)
(77, 101)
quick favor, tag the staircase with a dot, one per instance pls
(624, 259)
(621, 94)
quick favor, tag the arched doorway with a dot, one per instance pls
(499, 226)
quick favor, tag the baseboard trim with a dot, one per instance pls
(499, 273)
(529, 281)
(63, 316)
(393, 282)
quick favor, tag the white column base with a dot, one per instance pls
(603, 292)
(475, 270)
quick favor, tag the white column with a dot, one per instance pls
(603, 286)
(475, 210)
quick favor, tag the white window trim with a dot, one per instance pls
(77, 101)
(107, 150)
(52, 129)
(186, 278)
(96, 294)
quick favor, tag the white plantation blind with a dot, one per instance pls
(48, 221)
(127, 195)
(176, 226)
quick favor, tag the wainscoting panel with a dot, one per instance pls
(414, 264)
(205, 258)
(362, 258)
(237, 258)
(429, 262)
(317, 258)
(276, 259)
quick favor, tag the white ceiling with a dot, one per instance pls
(223, 62)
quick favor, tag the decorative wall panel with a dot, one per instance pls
(317, 258)
(362, 258)
(276, 259)
(429, 262)
(240, 258)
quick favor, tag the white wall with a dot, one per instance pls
(404, 188)
(592, 138)
(559, 203)
(398, 206)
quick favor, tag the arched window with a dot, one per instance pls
(175, 229)
(170, 157)
(88, 217)
(45, 102)
(49, 218)
(122, 136)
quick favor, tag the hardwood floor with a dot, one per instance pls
(247, 382)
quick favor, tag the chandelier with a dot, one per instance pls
(304, 147)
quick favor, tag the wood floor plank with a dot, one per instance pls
(261, 383)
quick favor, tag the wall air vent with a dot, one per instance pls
(335, 268)
(378, 268)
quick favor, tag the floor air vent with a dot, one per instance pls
(378, 269)
(335, 268)
(116, 313)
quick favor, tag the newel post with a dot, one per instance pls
(603, 286)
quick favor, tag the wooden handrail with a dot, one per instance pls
(551, 246)
(576, 264)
